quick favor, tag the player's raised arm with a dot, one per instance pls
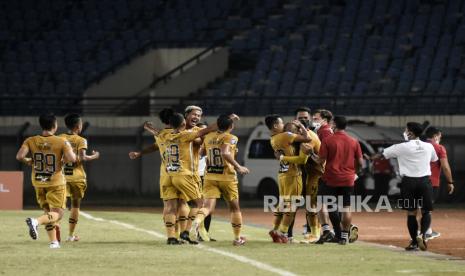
(84, 157)
(22, 153)
(303, 136)
(136, 154)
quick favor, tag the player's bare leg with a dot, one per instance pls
(183, 215)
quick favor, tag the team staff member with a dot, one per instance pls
(414, 157)
(434, 136)
(321, 119)
(342, 154)
(48, 152)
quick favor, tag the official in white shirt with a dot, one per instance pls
(414, 157)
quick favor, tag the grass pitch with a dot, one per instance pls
(119, 245)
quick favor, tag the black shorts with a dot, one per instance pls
(416, 192)
(344, 192)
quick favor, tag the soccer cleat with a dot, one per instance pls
(186, 237)
(274, 235)
(327, 236)
(283, 238)
(203, 234)
(58, 232)
(310, 238)
(412, 246)
(73, 239)
(353, 234)
(432, 235)
(422, 243)
(54, 245)
(33, 228)
(173, 241)
(239, 242)
(343, 242)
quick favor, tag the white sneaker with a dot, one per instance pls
(72, 238)
(54, 245)
(33, 228)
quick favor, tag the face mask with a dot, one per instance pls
(405, 136)
(306, 123)
(316, 125)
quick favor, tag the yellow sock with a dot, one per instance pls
(278, 217)
(170, 222)
(183, 216)
(201, 214)
(236, 222)
(192, 215)
(287, 220)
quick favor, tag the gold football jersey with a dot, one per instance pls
(75, 171)
(47, 155)
(282, 142)
(179, 154)
(217, 168)
(160, 141)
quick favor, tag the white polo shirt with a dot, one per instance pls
(414, 157)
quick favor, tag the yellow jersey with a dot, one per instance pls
(179, 154)
(47, 154)
(160, 142)
(219, 169)
(282, 142)
(75, 171)
(196, 151)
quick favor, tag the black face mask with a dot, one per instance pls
(306, 123)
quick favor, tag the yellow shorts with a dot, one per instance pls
(76, 190)
(216, 189)
(184, 187)
(51, 197)
(164, 180)
(290, 185)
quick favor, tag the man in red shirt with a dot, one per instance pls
(321, 119)
(342, 154)
(433, 136)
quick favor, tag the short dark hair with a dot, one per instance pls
(176, 120)
(165, 115)
(325, 114)
(415, 128)
(270, 120)
(340, 122)
(47, 121)
(431, 131)
(303, 109)
(72, 120)
(224, 122)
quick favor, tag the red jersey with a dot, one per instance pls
(436, 165)
(341, 152)
(324, 132)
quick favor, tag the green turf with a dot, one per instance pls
(109, 249)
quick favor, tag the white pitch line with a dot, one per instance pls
(240, 258)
